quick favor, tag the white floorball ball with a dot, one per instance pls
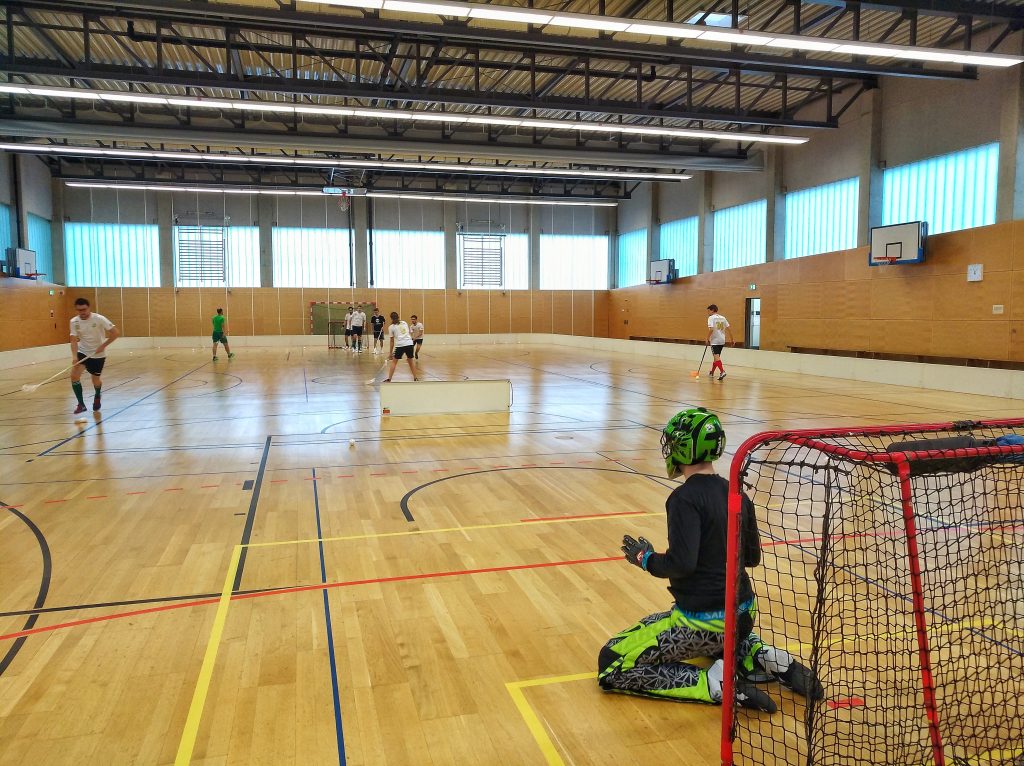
(81, 420)
(351, 442)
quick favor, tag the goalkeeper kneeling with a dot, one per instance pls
(650, 658)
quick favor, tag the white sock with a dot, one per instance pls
(715, 675)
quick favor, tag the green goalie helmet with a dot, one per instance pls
(692, 436)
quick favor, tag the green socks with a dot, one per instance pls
(77, 388)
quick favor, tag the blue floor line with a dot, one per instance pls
(330, 634)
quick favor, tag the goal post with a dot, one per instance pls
(893, 567)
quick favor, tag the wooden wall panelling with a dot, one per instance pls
(601, 304)
(162, 309)
(239, 311)
(388, 301)
(137, 314)
(456, 316)
(187, 315)
(582, 312)
(500, 311)
(266, 320)
(412, 303)
(294, 311)
(434, 315)
(540, 311)
(561, 312)
(108, 303)
(521, 307)
(478, 311)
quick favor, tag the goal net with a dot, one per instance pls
(893, 567)
(336, 334)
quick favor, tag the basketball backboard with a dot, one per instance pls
(897, 244)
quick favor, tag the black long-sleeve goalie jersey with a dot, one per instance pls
(695, 560)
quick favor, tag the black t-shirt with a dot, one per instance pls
(695, 560)
(377, 323)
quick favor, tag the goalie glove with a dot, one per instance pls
(637, 551)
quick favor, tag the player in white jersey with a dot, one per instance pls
(416, 331)
(90, 335)
(358, 322)
(348, 329)
(401, 345)
(718, 330)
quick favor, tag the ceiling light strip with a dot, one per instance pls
(250, 105)
(320, 193)
(395, 165)
(670, 30)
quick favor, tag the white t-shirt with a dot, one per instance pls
(91, 333)
(400, 332)
(358, 319)
(348, 321)
(717, 324)
(416, 330)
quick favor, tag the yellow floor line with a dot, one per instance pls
(540, 734)
(443, 530)
(195, 710)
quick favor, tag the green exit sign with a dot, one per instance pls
(753, 286)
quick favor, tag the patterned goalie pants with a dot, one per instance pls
(650, 658)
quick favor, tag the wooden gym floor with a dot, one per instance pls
(209, 573)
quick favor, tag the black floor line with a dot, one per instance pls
(44, 587)
(251, 516)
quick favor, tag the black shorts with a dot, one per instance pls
(405, 351)
(93, 366)
(357, 331)
(717, 350)
(378, 336)
(347, 332)
(418, 341)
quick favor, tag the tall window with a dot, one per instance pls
(6, 230)
(633, 258)
(741, 235)
(112, 255)
(822, 219)
(306, 257)
(679, 242)
(950, 192)
(40, 239)
(573, 262)
(408, 259)
(495, 261)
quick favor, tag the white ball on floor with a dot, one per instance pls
(351, 442)
(81, 420)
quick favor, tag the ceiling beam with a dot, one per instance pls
(627, 158)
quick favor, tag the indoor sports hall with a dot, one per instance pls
(371, 372)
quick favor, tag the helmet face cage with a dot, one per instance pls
(692, 436)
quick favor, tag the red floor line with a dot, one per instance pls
(209, 486)
(96, 497)
(175, 489)
(305, 588)
(556, 462)
(587, 516)
(378, 474)
(55, 501)
(8, 507)
(528, 465)
(499, 466)
(345, 476)
(410, 471)
(135, 493)
(442, 470)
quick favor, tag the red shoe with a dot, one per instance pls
(95, 404)
(79, 409)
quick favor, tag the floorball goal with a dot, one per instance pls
(893, 567)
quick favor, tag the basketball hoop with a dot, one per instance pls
(343, 202)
